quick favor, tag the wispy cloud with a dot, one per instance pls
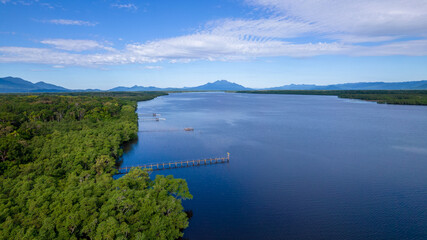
(366, 19)
(412, 149)
(27, 3)
(153, 67)
(129, 6)
(70, 22)
(8, 33)
(75, 45)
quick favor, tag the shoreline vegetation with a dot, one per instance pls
(58, 155)
(400, 97)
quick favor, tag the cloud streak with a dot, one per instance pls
(362, 18)
(75, 45)
(129, 6)
(71, 22)
(153, 67)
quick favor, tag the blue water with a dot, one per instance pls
(301, 167)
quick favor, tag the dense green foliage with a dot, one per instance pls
(408, 97)
(58, 154)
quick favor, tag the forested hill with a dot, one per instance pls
(19, 85)
(57, 157)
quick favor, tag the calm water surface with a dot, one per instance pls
(302, 167)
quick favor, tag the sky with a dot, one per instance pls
(168, 43)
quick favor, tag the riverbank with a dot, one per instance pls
(400, 97)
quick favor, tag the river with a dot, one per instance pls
(301, 167)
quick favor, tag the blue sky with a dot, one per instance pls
(256, 43)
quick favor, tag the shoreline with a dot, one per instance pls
(395, 97)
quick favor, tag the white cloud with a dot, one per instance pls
(71, 22)
(153, 67)
(276, 27)
(347, 38)
(205, 47)
(75, 45)
(404, 48)
(22, 2)
(300, 28)
(223, 48)
(362, 18)
(27, 3)
(54, 57)
(129, 6)
(412, 149)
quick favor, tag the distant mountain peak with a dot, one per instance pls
(222, 81)
(219, 85)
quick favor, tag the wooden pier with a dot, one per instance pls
(169, 130)
(149, 114)
(157, 119)
(178, 164)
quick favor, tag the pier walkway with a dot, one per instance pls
(178, 164)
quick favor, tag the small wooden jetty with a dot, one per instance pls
(157, 119)
(149, 114)
(169, 130)
(150, 117)
(178, 164)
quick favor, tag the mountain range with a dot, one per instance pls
(220, 85)
(413, 85)
(18, 85)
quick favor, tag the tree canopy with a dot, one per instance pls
(58, 153)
